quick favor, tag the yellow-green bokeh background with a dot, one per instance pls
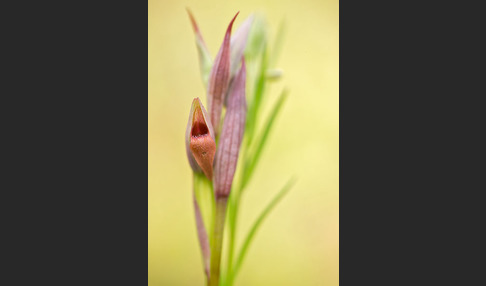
(298, 244)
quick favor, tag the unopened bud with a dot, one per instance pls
(200, 142)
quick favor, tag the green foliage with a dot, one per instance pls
(255, 104)
(255, 227)
(259, 59)
(253, 156)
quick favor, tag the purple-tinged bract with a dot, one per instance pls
(231, 136)
(219, 79)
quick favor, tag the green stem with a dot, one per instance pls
(232, 236)
(231, 264)
(217, 241)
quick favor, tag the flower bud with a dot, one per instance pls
(200, 142)
(231, 136)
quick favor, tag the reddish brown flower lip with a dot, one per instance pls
(199, 129)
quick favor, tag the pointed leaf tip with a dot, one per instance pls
(193, 22)
(230, 26)
(205, 60)
(219, 78)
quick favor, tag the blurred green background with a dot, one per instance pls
(298, 244)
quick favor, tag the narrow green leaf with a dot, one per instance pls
(256, 225)
(254, 57)
(254, 156)
(256, 101)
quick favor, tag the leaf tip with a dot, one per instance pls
(230, 26)
(193, 21)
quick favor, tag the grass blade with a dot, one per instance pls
(260, 143)
(255, 103)
(256, 225)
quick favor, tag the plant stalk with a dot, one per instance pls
(217, 241)
(232, 236)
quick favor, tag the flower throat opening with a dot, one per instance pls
(199, 127)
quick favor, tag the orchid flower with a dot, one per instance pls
(214, 140)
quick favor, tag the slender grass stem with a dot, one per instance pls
(217, 241)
